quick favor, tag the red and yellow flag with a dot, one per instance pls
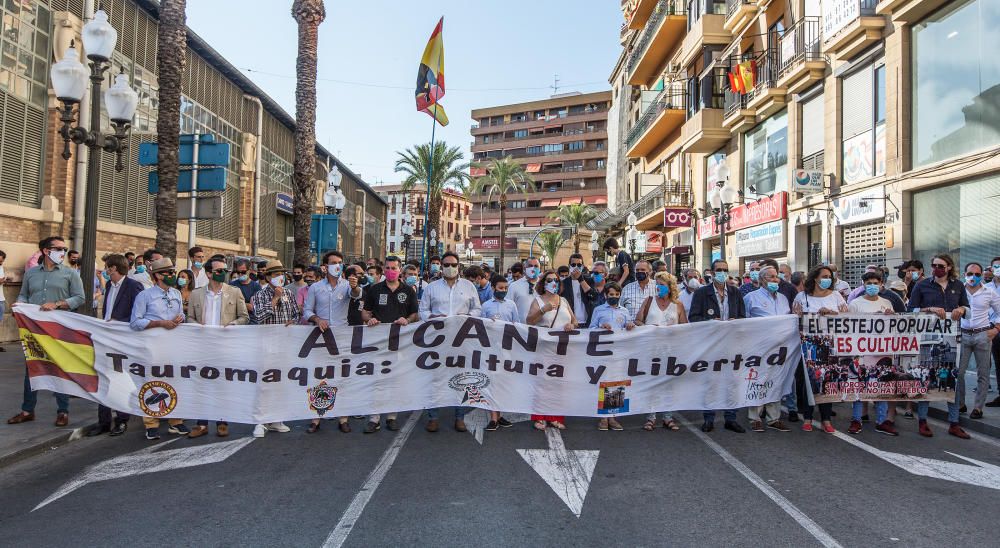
(746, 74)
(430, 77)
(54, 350)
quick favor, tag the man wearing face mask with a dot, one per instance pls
(760, 303)
(52, 286)
(449, 296)
(692, 282)
(374, 275)
(978, 333)
(754, 284)
(522, 291)
(411, 277)
(196, 262)
(578, 290)
(433, 269)
(994, 285)
(599, 274)
(914, 274)
(141, 275)
(272, 305)
(245, 282)
(130, 258)
(636, 293)
(298, 282)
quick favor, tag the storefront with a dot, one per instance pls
(764, 211)
(862, 237)
(960, 219)
(762, 241)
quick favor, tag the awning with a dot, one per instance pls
(574, 200)
(551, 202)
(533, 221)
(515, 221)
(594, 200)
(533, 168)
(553, 126)
(536, 130)
(477, 171)
(483, 221)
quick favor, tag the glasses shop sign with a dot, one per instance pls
(766, 239)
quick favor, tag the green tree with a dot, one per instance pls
(576, 216)
(503, 177)
(448, 171)
(171, 56)
(551, 242)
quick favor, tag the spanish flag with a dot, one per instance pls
(430, 77)
(54, 350)
(747, 71)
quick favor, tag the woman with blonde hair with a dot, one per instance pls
(663, 309)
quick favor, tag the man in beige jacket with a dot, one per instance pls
(218, 304)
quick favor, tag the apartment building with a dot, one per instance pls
(561, 142)
(453, 231)
(862, 131)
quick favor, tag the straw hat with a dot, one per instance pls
(273, 265)
(161, 265)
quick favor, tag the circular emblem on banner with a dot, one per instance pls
(157, 398)
(471, 382)
(322, 397)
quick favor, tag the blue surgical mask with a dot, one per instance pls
(996, 270)
(973, 281)
(435, 268)
(140, 269)
(182, 282)
(411, 280)
(755, 275)
(598, 278)
(825, 283)
(531, 272)
(243, 278)
(781, 275)
(106, 276)
(772, 287)
(197, 265)
(662, 291)
(915, 275)
(871, 290)
(370, 279)
(721, 277)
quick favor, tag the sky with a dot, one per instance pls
(496, 52)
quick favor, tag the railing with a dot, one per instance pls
(585, 112)
(565, 133)
(674, 193)
(868, 7)
(672, 97)
(663, 8)
(766, 70)
(732, 6)
(697, 8)
(800, 43)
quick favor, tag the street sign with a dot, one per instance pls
(282, 202)
(210, 153)
(210, 179)
(206, 207)
(808, 180)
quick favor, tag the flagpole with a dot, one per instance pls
(430, 174)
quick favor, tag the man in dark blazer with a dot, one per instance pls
(120, 292)
(706, 305)
(578, 290)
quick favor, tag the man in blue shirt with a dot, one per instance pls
(499, 307)
(160, 306)
(481, 280)
(760, 303)
(245, 282)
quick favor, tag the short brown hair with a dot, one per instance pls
(119, 262)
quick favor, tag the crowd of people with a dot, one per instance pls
(148, 291)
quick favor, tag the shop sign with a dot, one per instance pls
(837, 14)
(679, 250)
(754, 213)
(865, 206)
(493, 243)
(808, 181)
(654, 241)
(676, 217)
(766, 239)
(284, 203)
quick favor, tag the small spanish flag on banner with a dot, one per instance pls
(430, 77)
(54, 350)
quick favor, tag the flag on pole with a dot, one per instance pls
(430, 77)
(747, 74)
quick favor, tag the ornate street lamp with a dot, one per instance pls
(470, 253)
(333, 198)
(633, 234)
(593, 247)
(69, 81)
(407, 230)
(433, 242)
(722, 199)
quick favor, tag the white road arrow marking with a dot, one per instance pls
(477, 419)
(146, 461)
(568, 473)
(982, 474)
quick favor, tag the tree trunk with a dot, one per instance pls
(503, 230)
(308, 14)
(576, 239)
(171, 48)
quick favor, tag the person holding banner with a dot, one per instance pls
(664, 309)
(550, 311)
(762, 302)
(978, 332)
(871, 302)
(718, 301)
(820, 298)
(994, 285)
(613, 317)
(449, 295)
(522, 290)
(635, 294)
(692, 283)
(944, 296)
(272, 305)
(499, 307)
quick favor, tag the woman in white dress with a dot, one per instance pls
(550, 311)
(663, 309)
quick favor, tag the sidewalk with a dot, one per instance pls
(19, 441)
(989, 424)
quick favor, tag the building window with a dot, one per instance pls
(601, 164)
(392, 226)
(534, 150)
(766, 156)
(392, 247)
(24, 52)
(956, 82)
(553, 147)
(813, 129)
(520, 133)
(575, 146)
(599, 145)
(958, 219)
(863, 123)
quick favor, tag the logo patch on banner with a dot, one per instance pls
(471, 383)
(157, 398)
(612, 397)
(401, 297)
(322, 397)
(383, 299)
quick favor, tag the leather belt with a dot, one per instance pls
(979, 330)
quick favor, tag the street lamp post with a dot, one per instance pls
(593, 247)
(407, 230)
(633, 234)
(722, 199)
(470, 253)
(433, 243)
(334, 198)
(69, 81)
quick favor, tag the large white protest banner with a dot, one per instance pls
(256, 374)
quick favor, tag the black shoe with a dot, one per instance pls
(119, 429)
(96, 430)
(707, 426)
(372, 427)
(152, 434)
(864, 418)
(313, 428)
(357, 416)
(391, 425)
(994, 403)
(793, 416)
(833, 413)
(733, 426)
(492, 426)
(963, 410)
(504, 423)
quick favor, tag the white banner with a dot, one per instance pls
(257, 374)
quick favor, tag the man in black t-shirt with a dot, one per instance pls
(356, 306)
(390, 301)
(623, 262)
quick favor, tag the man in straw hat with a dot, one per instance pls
(272, 305)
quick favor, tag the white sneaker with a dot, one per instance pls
(277, 427)
(259, 431)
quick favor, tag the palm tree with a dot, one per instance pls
(551, 242)
(308, 14)
(447, 171)
(171, 56)
(503, 177)
(576, 216)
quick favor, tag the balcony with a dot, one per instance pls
(649, 208)
(767, 97)
(846, 40)
(662, 118)
(802, 62)
(703, 131)
(908, 11)
(643, 9)
(587, 114)
(739, 14)
(706, 27)
(665, 29)
(542, 139)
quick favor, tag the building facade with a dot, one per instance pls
(453, 233)
(39, 190)
(562, 142)
(859, 131)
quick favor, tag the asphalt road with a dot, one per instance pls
(656, 488)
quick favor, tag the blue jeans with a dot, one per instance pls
(432, 414)
(922, 407)
(729, 414)
(881, 411)
(789, 401)
(31, 398)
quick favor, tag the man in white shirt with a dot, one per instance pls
(196, 261)
(995, 286)
(978, 332)
(841, 286)
(141, 273)
(635, 293)
(692, 282)
(578, 290)
(449, 295)
(522, 291)
(870, 302)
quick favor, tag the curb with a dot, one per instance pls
(40, 445)
(966, 423)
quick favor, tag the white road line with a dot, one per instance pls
(798, 515)
(353, 512)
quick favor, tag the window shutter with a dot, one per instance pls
(857, 102)
(812, 125)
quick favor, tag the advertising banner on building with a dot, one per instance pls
(488, 244)
(864, 206)
(895, 357)
(676, 217)
(259, 374)
(654, 241)
(756, 212)
(767, 239)
(837, 14)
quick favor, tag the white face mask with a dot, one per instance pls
(450, 272)
(334, 270)
(57, 256)
(693, 284)
(278, 281)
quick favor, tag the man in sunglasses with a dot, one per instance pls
(53, 286)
